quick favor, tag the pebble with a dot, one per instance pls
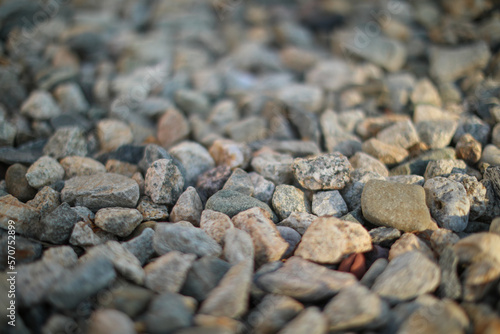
(384, 236)
(356, 307)
(230, 153)
(121, 167)
(101, 191)
(25, 216)
(410, 242)
(310, 320)
(407, 276)
(476, 193)
(215, 224)
(491, 155)
(169, 237)
(152, 211)
(232, 202)
(43, 172)
(275, 167)
(109, 321)
(83, 235)
(268, 244)
(40, 106)
(188, 207)
(113, 134)
(239, 181)
(292, 237)
(81, 166)
(192, 102)
(364, 161)
(212, 181)
(195, 158)
(172, 128)
(474, 126)
(396, 205)
(373, 272)
(407, 179)
(288, 199)
(329, 203)
(168, 272)
(65, 142)
(238, 246)
(17, 184)
(127, 298)
(119, 221)
(322, 172)
(387, 153)
(447, 200)
(56, 226)
(230, 297)
(402, 134)
(303, 280)
(247, 130)
(299, 221)
(203, 276)
(168, 312)
(354, 189)
(70, 98)
(164, 182)
(450, 286)
(263, 189)
(35, 281)
(425, 93)
(142, 245)
(438, 133)
(444, 167)
(468, 149)
(302, 97)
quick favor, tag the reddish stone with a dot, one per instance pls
(355, 264)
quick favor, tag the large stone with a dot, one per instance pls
(164, 182)
(101, 191)
(396, 205)
(119, 221)
(323, 172)
(45, 171)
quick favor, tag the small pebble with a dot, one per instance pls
(329, 203)
(288, 199)
(45, 171)
(119, 221)
(323, 172)
(164, 182)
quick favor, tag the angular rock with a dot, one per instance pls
(203, 276)
(275, 167)
(169, 312)
(81, 166)
(238, 246)
(66, 141)
(444, 167)
(40, 106)
(323, 172)
(164, 182)
(387, 153)
(188, 207)
(329, 203)
(212, 181)
(384, 235)
(409, 242)
(45, 171)
(401, 134)
(362, 160)
(152, 211)
(113, 134)
(142, 245)
(119, 221)
(299, 221)
(195, 158)
(437, 133)
(168, 272)
(288, 199)
(263, 189)
(56, 226)
(215, 224)
(239, 181)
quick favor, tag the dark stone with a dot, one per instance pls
(26, 154)
(17, 185)
(56, 227)
(212, 181)
(167, 313)
(151, 153)
(70, 120)
(450, 283)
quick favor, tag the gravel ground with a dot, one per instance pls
(230, 166)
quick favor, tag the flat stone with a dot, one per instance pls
(303, 280)
(329, 239)
(402, 134)
(396, 205)
(238, 246)
(169, 312)
(169, 237)
(239, 181)
(17, 184)
(56, 226)
(406, 277)
(195, 158)
(112, 134)
(329, 203)
(275, 167)
(164, 182)
(81, 166)
(119, 221)
(142, 245)
(26, 218)
(66, 141)
(310, 320)
(230, 153)
(215, 224)
(288, 199)
(188, 207)
(361, 160)
(172, 128)
(109, 321)
(409, 242)
(40, 106)
(168, 272)
(101, 191)
(151, 210)
(299, 221)
(323, 172)
(45, 171)
(231, 203)
(384, 235)
(448, 203)
(355, 307)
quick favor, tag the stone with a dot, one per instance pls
(400, 206)
(355, 307)
(83, 235)
(101, 190)
(451, 63)
(292, 237)
(45, 201)
(329, 239)
(164, 182)
(86, 280)
(81, 166)
(407, 276)
(450, 286)
(354, 189)
(26, 218)
(230, 297)
(168, 272)
(188, 207)
(127, 298)
(442, 238)
(407, 179)
(409, 242)
(476, 193)
(212, 181)
(17, 184)
(184, 239)
(373, 272)
(437, 133)
(495, 135)
(203, 276)
(275, 167)
(119, 221)
(238, 246)
(310, 320)
(215, 224)
(151, 210)
(40, 106)
(152, 152)
(263, 189)
(425, 92)
(169, 312)
(192, 102)
(230, 153)
(417, 165)
(364, 161)
(121, 167)
(35, 280)
(447, 200)
(491, 155)
(56, 226)
(299, 221)
(331, 74)
(402, 134)
(474, 126)
(384, 236)
(247, 130)
(172, 128)
(7, 134)
(323, 172)
(45, 171)
(495, 226)
(288, 199)
(239, 181)
(302, 96)
(468, 149)
(109, 321)
(66, 141)
(195, 158)
(113, 134)
(231, 203)
(142, 245)
(70, 98)
(303, 280)
(444, 167)
(329, 203)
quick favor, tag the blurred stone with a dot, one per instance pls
(172, 128)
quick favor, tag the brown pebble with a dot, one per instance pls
(468, 149)
(355, 264)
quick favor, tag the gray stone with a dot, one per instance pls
(238, 246)
(402, 134)
(310, 320)
(268, 244)
(329, 203)
(164, 182)
(230, 153)
(168, 272)
(407, 179)
(188, 207)
(356, 307)
(17, 184)
(25, 217)
(292, 237)
(192, 102)
(83, 235)
(231, 203)
(152, 152)
(168, 312)
(203, 276)
(34, 281)
(396, 205)
(230, 297)
(263, 189)
(239, 181)
(63, 255)
(444, 167)
(302, 96)
(299, 221)
(337, 139)
(491, 155)
(273, 313)
(127, 298)
(40, 106)
(195, 158)
(364, 161)
(119, 221)
(71, 98)
(448, 203)
(417, 165)
(450, 286)
(373, 272)
(45, 201)
(437, 133)
(303, 280)
(80, 166)
(247, 130)
(56, 226)
(384, 235)
(410, 242)
(323, 172)
(101, 191)
(475, 126)
(288, 199)
(152, 211)
(77, 285)
(45, 171)
(406, 277)
(66, 141)
(275, 167)
(184, 239)
(7, 133)
(109, 321)
(387, 153)
(215, 224)
(476, 193)
(142, 245)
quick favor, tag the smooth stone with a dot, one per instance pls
(288, 199)
(188, 207)
(119, 221)
(109, 321)
(168, 272)
(373, 272)
(45, 171)
(17, 184)
(164, 182)
(323, 172)
(238, 246)
(81, 166)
